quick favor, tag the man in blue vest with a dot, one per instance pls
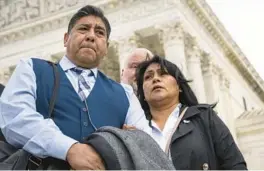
(86, 99)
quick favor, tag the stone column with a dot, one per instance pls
(223, 97)
(225, 103)
(171, 36)
(211, 80)
(125, 46)
(217, 90)
(194, 68)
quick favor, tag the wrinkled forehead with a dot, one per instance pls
(91, 20)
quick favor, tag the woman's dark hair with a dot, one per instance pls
(186, 96)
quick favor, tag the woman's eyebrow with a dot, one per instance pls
(152, 70)
(148, 71)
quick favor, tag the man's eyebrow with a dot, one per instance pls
(86, 25)
(78, 26)
(89, 25)
(99, 27)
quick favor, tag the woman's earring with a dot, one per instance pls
(180, 90)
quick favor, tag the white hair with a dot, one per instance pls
(148, 53)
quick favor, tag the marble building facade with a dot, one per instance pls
(186, 32)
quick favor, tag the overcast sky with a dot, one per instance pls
(244, 20)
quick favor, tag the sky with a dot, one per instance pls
(244, 20)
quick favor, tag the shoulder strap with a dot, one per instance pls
(55, 89)
(174, 129)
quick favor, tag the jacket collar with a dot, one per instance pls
(186, 127)
(191, 111)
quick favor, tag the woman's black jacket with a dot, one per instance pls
(202, 141)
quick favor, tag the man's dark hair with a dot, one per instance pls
(87, 11)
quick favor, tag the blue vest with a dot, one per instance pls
(107, 102)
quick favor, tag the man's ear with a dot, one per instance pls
(66, 37)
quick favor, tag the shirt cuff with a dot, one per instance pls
(60, 147)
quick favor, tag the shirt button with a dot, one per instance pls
(85, 123)
(84, 109)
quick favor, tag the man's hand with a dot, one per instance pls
(127, 127)
(84, 157)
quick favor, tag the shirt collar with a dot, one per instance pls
(175, 113)
(66, 65)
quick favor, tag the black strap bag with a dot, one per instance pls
(12, 158)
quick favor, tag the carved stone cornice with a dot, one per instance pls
(170, 31)
(44, 21)
(38, 16)
(142, 9)
(214, 27)
(29, 30)
(24, 11)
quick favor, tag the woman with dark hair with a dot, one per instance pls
(201, 140)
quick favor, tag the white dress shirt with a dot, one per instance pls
(25, 128)
(162, 136)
